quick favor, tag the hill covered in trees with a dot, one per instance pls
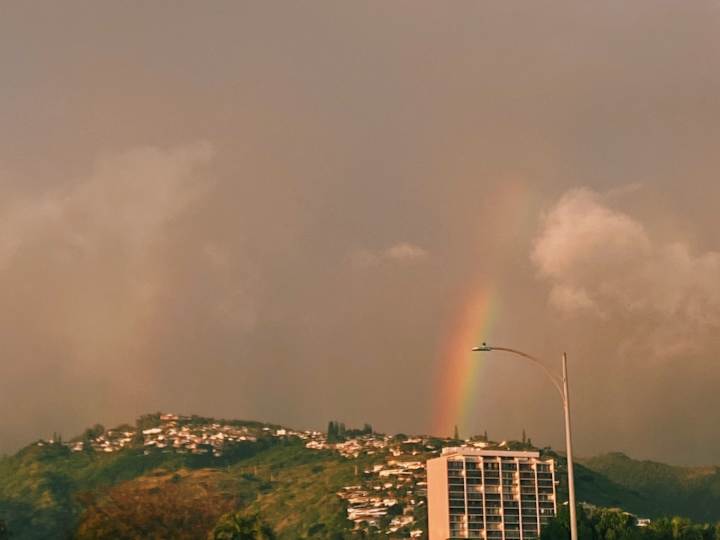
(595, 523)
(54, 489)
(655, 489)
(185, 477)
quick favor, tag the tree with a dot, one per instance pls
(336, 431)
(524, 437)
(92, 433)
(558, 528)
(613, 524)
(456, 433)
(147, 421)
(331, 431)
(684, 529)
(238, 526)
(168, 507)
(661, 529)
(4, 533)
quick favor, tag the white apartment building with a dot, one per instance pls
(490, 494)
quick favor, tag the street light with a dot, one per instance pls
(561, 385)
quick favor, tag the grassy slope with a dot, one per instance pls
(39, 484)
(302, 501)
(293, 487)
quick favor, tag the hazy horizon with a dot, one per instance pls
(297, 213)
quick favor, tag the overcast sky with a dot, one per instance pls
(278, 211)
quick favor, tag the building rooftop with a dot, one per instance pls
(470, 451)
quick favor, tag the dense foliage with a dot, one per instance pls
(49, 491)
(612, 524)
(182, 506)
(337, 431)
(40, 485)
(654, 489)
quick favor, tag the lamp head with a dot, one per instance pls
(482, 348)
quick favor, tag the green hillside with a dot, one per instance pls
(39, 485)
(44, 491)
(655, 489)
(175, 477)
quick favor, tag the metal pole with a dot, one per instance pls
(568, 443)
(562, 388)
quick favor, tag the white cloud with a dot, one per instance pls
(582, 238)
(402, 252)
(568, 298)
(405, 252)
(603, 261)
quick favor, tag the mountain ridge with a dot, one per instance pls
(298, 479)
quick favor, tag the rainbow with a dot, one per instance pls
(458, 369)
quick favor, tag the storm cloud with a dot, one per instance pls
(281, 211)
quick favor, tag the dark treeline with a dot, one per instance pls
(338, 432)
(612, 524)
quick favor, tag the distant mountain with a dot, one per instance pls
(653, 489)
(176, 475)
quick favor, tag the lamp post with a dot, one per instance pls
(561, 385)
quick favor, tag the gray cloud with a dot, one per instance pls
(85, 264)
(372, 173)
